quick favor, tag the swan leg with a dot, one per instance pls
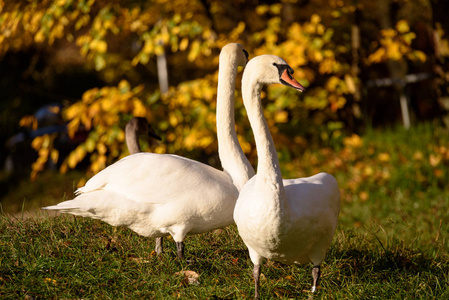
(158, 248)
(180, 249)
(256, 275)
(257, 260)
(316, 272)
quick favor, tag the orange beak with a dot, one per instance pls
(288, 80)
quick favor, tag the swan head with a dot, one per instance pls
(140, 126)
(235, 51)
(269, 69)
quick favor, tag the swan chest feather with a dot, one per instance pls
(258, 218)
(300, 224)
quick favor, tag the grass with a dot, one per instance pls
(391, 242)
(18, 194)
(68, 257)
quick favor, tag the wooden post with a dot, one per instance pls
(162, 72)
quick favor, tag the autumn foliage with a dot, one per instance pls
(121, 40)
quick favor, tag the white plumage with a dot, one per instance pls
(160, 194)
(291, 221)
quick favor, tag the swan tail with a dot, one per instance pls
(108, 206)
(73, 207)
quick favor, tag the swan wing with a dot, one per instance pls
(160, 178)
(313, 196)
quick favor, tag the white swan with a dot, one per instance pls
(135, 127)
(161, 194)
(290, 221)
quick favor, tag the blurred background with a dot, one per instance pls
(73, 72)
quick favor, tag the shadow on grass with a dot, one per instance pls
(370, 264)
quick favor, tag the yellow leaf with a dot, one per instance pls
(72, 127)
(81, 182)
(49, 280)
(315, 19)
(72, 161)
(184, 44)
(173, 120)
(100, 62)
(54, 155)
(102, 160)
(276, 8)
(139, 109)
(320, 29)
(39, 37)
(206, 141)
(148, 48)
(393, 51)
(353, 141)
(368, 171)
(377, 56)
(124, 86)
(331, 84)
(159, 50)
(417, 55)
(262, 9)
(63, 168)
(363, 196)
(317, 56)
(88, 96)
(281, 116)
(194, 51)
(101, 46)
(338, 103)
(121, 136)
(80, 152)
(418, 155)
(106, 104)
(384, 157)
(28, 121)
(95, 167)
(101, 148)
(164, 36)
(388, 33)
(402, 26)
(43, 153)
(438, 173)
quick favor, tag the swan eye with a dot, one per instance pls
(282, 68)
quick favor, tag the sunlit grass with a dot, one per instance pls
(68, 257)
(391, 242)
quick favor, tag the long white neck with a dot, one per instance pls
(233, 160)
(132, 140)
(268, 170)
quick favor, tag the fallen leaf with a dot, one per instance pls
(139, 260)
(190, 277)
(434, 160)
